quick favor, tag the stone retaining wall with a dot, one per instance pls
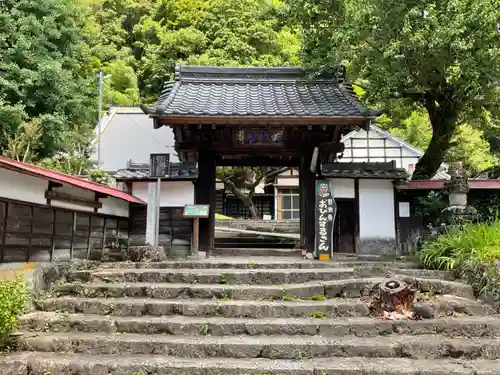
(378, 246)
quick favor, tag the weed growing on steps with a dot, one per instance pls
(13, 302)
(318, 298)
(318, 315)
(205, 330)
(222, 278)
(288, 298)
(252, 264)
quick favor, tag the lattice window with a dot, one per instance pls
(288, 204)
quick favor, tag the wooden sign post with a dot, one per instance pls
(159, 166)
(196, 212)
(326, 208)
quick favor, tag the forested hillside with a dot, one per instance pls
(50, 53)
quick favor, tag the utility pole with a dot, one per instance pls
(99, 116)
(101, 79)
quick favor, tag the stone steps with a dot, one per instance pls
(263, 263)
(348, 288)
(199, 307)
(465, 326)
(338, 307)
(221, 316)
(253, 252)
(272, 347)
(213, 276)
(64, 364)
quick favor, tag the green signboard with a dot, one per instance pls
(196, 210)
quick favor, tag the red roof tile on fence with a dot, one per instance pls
(64, 178)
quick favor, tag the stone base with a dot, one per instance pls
(378, 246)
(147, 253)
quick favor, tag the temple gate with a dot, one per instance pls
(258, 117)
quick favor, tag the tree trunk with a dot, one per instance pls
(245, 198)
(252, 210)
(443, 117)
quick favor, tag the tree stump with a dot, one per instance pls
(392, 296)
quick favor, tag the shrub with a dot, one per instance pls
(100, 177)
(471, 251)
(13, 301)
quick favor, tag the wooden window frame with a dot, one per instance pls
(280, 195)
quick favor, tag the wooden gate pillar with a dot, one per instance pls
(307, 184)
(205, 194)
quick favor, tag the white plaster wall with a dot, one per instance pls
(76, 192)
(172, 193)
(342, 187)
(292, 182)
(376, 209)
(114, 206)
(14, 185)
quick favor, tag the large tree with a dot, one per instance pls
(443, 56)
(45, 71)
(217, 32)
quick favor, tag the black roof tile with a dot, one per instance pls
(140, 171)
(216, 91)
(364, 170)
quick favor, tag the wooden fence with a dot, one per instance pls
(30, 232)
(175, 231)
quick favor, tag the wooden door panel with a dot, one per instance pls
(344, 227)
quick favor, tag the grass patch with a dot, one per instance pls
(470, 251)
(222, 217)
(318, 315)
(252, 264)
(288, 298)
(318, 298)
(222, 278)
(13, 302)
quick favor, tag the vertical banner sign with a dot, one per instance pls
(326, 209)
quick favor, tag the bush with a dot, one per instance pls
(471, 251)
(13, 301)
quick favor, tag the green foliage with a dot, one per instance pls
(13, 301)
(218, 32)
(416, 130)
(100, 177)
(318, 298)
(318, 315)
(443, 57)
(487, 203)
(471, 251)
(471, 148)
(431, 206)
(73, 157)
(45, 68)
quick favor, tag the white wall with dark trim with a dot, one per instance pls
(30, 189)
(377, 229)
(172, 193)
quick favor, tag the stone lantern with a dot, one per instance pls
(458, 211)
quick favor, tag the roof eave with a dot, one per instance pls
(261, 120)
(13, 168)
(150, 179)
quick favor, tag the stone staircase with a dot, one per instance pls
(250, 316)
